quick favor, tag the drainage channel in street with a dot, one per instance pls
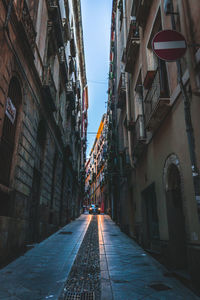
(84, 278)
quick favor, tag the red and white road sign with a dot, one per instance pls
(169, 45)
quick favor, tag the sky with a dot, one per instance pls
(96, 18)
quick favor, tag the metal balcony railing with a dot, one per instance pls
(132, 46)
(66, 28)
(121, 91)
(69, 87)
(28, 27)
(52, 4)
(141, 9)
(63, 63)
(62, 55)
(49, 86)
(72, 43)
(139, 139)
(156, 104)
(152, 96)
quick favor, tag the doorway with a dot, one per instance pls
(151, 224)
(34, 206)
(176, 219)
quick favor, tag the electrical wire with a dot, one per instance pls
(97, 82)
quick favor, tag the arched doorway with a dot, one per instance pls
(7, 143)
(175, 216)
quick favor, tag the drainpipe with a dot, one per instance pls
(187, 30)
(128, 108)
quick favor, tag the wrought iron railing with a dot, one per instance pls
(133, 34)
(121, 91)
(69, 87)
(53, 3)
(49, 85)
(28, 26)
(141, 10)
(153, 95)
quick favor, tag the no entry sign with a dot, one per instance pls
(169, 45)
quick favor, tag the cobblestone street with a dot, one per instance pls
(90, 258)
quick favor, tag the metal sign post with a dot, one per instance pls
(170, 45)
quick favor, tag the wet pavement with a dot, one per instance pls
(42, 271)
(127, 271)
(84, 278)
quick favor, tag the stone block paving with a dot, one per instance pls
(129, 273)
(42, 271)
(84, 279)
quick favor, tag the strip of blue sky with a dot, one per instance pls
(96, 16)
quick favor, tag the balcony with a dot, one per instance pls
(52, 4)
(157, 104)
(27, 27)
(58, 23)
(139, 140)
(132, 47)
(49, 88)
(142, 8)
(62, 57)
(68, 142)
(130, 125)
(63, 63)
(69, 87)
(121, 92)
(66, 28)
(78, 89)
(70, 93)
(126, 162)
(72, 44)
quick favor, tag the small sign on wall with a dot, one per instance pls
(10, 110)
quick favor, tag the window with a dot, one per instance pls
(155, 64)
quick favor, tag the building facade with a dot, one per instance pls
(43, 119)
(96, 169)
(154, 136)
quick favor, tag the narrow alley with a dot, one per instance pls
(89, 259)
(99, 149)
